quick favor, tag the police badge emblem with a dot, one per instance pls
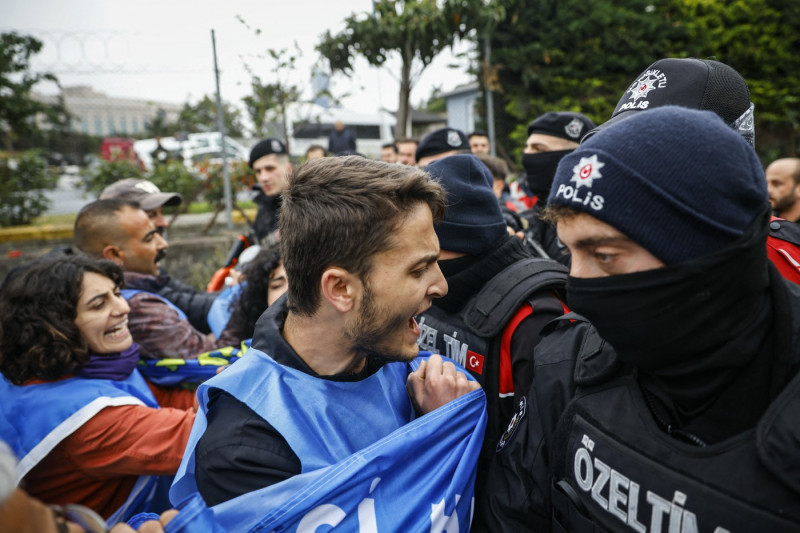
(574, 128)
(277, 147)
(513, 425)
(453, 139)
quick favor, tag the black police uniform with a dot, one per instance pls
(586, 453)
(499, 358)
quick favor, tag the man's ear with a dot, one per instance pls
(114, 253)
(340, 288)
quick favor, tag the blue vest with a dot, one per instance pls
(36, 418)
(220, 311)
(357, 463)
(130, 293)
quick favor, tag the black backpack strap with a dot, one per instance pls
(489, 311)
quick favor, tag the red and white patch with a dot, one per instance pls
(586, 171)
(475, 362)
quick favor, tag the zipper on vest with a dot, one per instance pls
(672, 431)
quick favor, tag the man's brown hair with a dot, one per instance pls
(341, 211)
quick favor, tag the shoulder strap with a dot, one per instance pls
(490, 310)
(784, 230)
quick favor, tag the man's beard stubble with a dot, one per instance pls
(371, 332)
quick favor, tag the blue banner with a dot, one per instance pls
(418, 477)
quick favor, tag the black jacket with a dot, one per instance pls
(265, 226)
(241, 452)
(573, 360)
(189, 300)
(443, 330)
(545, 235)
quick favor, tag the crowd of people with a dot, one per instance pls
(610, 342)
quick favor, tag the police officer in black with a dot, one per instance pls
(670, 403)
(499, 297)
(269, 160)
(551, 136)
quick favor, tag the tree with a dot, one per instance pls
(22, 185)
(759, 39)
(19, 112)
(416, 30)
(203, 117)
(574, 55)
(159, 126)
(269, 103)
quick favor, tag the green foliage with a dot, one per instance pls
(415, 30)
(269, 102)
(175, 177)
(17, 108)
(574, 55)
(203, 117)
(580, 56)
(212, 181)
(159, 126)
(22, 189)
(107, 172)
(759, 39)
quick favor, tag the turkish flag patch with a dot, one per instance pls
(474, 362)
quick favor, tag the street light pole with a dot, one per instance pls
(489, 100)
(221, 127)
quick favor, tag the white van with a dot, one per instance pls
(196, 147)
(311, 124)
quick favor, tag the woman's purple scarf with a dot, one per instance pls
(116, 366)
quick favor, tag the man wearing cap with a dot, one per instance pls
(269, 159)
(147, 195)
(694, 83)
(440, 144)
(194, 303)
(478, 256)
(550, 137)
(713, 86)
(689, 422)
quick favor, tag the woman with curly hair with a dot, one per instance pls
(263, 282)
(86, 426)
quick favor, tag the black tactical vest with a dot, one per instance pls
(614, 469)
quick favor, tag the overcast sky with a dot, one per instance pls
(161, 49)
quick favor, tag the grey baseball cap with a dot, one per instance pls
(142, 191)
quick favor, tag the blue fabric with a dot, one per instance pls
(220, 311)
(193, 517)
(36, 418)
(34, 411)
(370, 458)
(174, 371)
(136, 521)
(129, 293)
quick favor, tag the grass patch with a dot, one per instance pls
(205, 207)
(48, 220)
(69, 218)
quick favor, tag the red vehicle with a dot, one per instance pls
(117, 149)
